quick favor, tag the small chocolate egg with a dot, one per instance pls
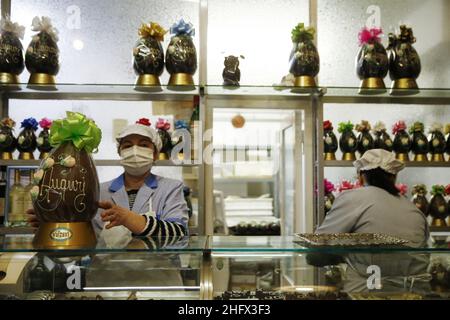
(38, 175)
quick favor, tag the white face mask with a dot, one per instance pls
(136, 160)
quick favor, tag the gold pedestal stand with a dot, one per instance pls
(26, 156)
(372, 86)
(9, 78)
(43, 155)
(437, 157)
(404, 86)
(402, 157)
(330, 156)
(438, 223)
(71, 235)
(305, 82)
(147, 80)
(181, 79)
(349, 156)
(7, 156)
(420, 158)
(42, 81)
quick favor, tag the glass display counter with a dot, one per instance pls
(222, 268)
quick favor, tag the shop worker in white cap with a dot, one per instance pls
(138, 201)
(377, 207)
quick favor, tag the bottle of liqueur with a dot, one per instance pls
(2, 193)
(28, 201)
(16, 214)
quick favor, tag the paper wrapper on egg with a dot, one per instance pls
(438, 209)
(66, 196)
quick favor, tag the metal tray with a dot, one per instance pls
(353, 240)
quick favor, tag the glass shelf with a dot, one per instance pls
(100, 163)
(411, 164)
(286, 244)
(421, 96)
(24, 243)
(211, 244)
(125, 92)
(128, 92)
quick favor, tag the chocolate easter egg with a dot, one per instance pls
(68, 194)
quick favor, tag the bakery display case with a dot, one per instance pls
(285, 268)
(140, 269)
(224, 268)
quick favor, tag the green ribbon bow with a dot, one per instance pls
(300, 33)
(78, 129)
(345, 127)
(437, 189)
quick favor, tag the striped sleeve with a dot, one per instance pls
(162, 229)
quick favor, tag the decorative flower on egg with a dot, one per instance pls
(163, 124)
(447, 189)
(327, 125)
(152, 29)
(438, 190)
(399, 126)
(8, 122)
(363, 126)
(345, 185)
(437, 127)
(379, 127)
(403, 188)
(30, 123)
(182, 28)
(45, 123)
(329, 186)
(302, 33)
(367, 35)
(345, 127)
(181, 124)
(144, 122)
(417, 127)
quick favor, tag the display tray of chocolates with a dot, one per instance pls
(254, 228)
(281, 295)
(354, 240)
(386, 296)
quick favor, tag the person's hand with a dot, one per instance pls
(118, 216)
(115, 215)
(32, 219)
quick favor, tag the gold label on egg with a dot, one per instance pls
(61, 234)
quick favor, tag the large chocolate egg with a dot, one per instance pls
(42, 55)
(181, 56)
(11, 54)
(148, 57)
(26, 141)
(69, 188)
(43, 142)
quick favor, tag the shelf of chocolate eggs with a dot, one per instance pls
(434, 202)
(28, 144)
(417, 146)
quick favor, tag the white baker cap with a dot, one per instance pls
(142, 130)
(379, 158)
